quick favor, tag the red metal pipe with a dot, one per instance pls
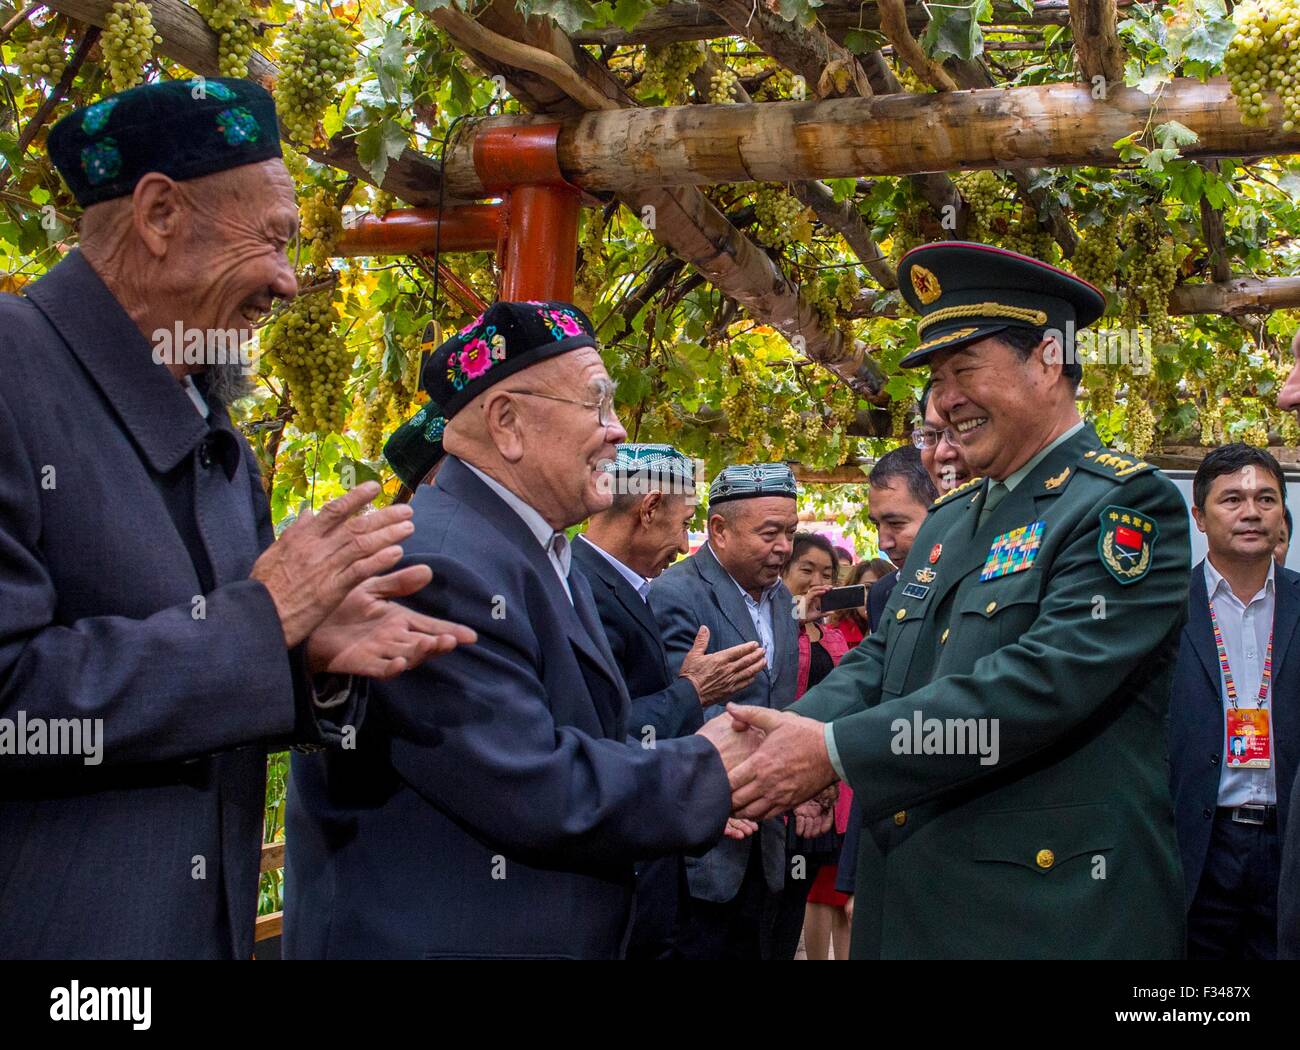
(540, 248)
(466, 228)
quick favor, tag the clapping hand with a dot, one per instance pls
(371, 635)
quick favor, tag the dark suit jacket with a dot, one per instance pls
(877, 596)
(119, 506)
(1196, 719)
(661, 701)
(695, 591)
(663, 706)
(494, 805)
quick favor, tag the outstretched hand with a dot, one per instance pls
(790, 767)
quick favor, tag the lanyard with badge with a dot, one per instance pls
(1248, 741)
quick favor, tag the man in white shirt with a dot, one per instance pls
(1232, 717)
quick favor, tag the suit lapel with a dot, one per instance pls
(1286, 613)
(614, 721)
(459, 480)
(726, 593)
(595, 564)
(1199, 631)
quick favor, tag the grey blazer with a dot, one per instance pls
(695, 592)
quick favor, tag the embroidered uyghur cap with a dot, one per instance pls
(752, 480)
(965, 292)
(652, 466)
(182, 128)
(415, 448)
(504, 339)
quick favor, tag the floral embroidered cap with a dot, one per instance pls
(503, 340)
(415, 448)
(182, 128)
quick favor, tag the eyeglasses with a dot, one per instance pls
(604, 403)
(928, 437)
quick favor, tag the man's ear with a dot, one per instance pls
(158, 212)
(1050, 357)
(1198, 517)
(651, 502)
(504, 425)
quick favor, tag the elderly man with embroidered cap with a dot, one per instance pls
(1005, 730)
(732, 585)
(504, 819)
(624, 547)
(143, 597)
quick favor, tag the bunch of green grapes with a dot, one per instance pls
(1151, 274)
(1289, 429)
(383, 203)
(908, 80)
(846, 292)
(1140, 424)
(746, 419)
(128, 42)
(668, 69)
(781, 218)
(320, 225)
(315, 56)
(42, 57)
(234, 49)
(986, 204)
(1211, 419)
(1264, 55)
(780, 85)
(306, 349)
(1027, 237)
(376, 414)
(1097, 255)
(722, 85)
(900, 417)
(819, 296)
(1256, 434)
(1100, 384)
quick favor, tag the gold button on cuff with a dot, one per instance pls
(944, 637)
(1045, 859)
(900, 614)
(990, 607)
(900, 818)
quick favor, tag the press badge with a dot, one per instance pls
(1248, 743)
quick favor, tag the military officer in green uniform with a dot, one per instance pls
(1004, 729)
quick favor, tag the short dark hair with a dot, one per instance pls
(1286, 513)
(804, 540)
(1024, 340)
(1228, 459)
(904, 462)
(924, 401)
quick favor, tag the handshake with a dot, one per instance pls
(776, 761)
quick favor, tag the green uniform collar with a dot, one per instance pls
(1024, 472)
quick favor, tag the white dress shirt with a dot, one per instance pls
(556, 544)
(760, 612)
(637, 582)
(1246, 628)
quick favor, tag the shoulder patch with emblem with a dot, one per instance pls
(1126, 543)
(964, 487)
(1113, 465)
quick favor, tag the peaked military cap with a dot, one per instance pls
(182, 128)
(752, 480)
(504, 339)
(965, 292)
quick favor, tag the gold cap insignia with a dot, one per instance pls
(925, 284)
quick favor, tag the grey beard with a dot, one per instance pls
(228, 383)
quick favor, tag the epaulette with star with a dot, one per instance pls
(965, 486)
(1114, 465)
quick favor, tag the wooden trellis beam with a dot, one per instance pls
(1045, 125)
(187, 40)
(688, 20)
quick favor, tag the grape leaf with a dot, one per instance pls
(953, 31)
(570, 15)
(378, 144)
(627, 13)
